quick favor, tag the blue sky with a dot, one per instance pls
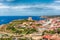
(29, 7)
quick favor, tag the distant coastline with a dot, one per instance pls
(52, 16)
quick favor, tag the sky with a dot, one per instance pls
(29, 7)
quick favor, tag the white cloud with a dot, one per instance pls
(21, 7)
(28, 6)
(32, 6)
(10, 0)
(55, 5)
(47, 9)
(57, 1)
(3, 6)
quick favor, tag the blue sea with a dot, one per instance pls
(7, 19)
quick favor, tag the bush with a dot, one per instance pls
(58, 30)
(52, 32)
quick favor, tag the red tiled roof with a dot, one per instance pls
(46, 36)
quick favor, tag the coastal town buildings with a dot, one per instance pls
(49, 26)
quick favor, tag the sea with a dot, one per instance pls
(7, 19)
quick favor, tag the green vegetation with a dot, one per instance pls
(11, 28)
(14, 27)
(23, 39)
(24, 20)
(13, 38)
(6, 39)
(38, 24)
(58, 30)
(26, 30)
(44, 32)
(52, 32)
(32, 30)
(49, 32)
(21, 30)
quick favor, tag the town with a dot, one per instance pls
(29, 29)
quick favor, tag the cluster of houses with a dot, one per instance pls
(47, 24)
(51, 24)
(41, 25)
